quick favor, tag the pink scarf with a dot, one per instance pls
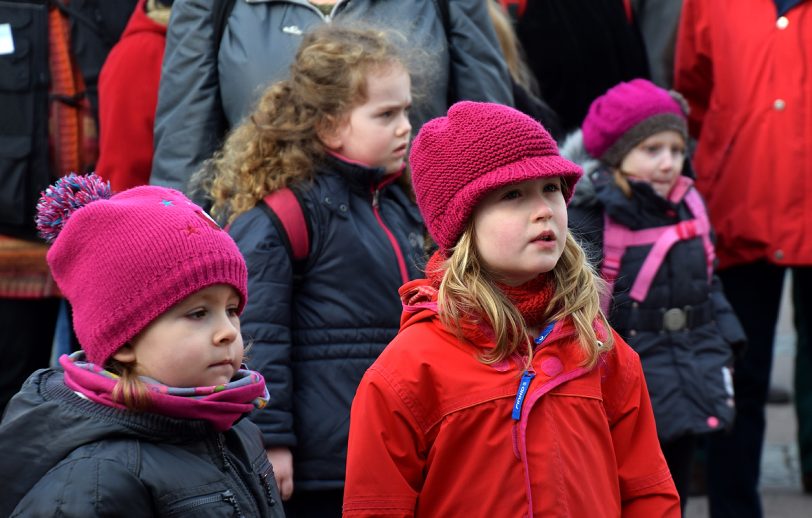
(220, 405)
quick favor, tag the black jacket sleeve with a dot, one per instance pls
(266, 321)
(478, 69)
(729, 325)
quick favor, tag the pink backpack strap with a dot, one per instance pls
(689, 229)
(697, 208)
(616, 239)
(288, 210)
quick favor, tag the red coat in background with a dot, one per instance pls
(128, 94)
(745, 73)
(431, 432)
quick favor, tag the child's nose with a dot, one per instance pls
(669, 160)
(543, 209)
(227, 331)
(405, 126)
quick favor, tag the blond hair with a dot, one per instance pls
(511, 47)
(469, 289)
(129, 390)
(278, 144)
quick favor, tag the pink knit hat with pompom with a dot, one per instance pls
(124, 260)
(479, 147)
(627, 114)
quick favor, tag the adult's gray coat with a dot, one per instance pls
(207, 88)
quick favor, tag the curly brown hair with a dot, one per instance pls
(278, 143)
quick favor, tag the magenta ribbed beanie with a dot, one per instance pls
(478, 147)
(123, 261)
(627, 114)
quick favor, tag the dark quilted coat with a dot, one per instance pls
(315, 333)
(687, 371)
(63, 455)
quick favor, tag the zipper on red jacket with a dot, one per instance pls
(528, 375)
(376, 192)
(520, 426)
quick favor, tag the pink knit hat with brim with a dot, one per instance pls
(627, 114)
(478, 147)
(124, 260)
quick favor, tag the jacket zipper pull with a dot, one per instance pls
(376, 194)
(545, 333)
(524, 383)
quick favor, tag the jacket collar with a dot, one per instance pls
(645, 207)
(359, 177)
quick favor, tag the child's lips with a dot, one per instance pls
(548, 236)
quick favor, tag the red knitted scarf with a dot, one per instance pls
(530, 298)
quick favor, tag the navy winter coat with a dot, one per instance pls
(687, 370)
(315, 333)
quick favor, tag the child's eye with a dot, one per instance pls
(552, 187)
(652, 150)
(387, 114)
(233, 311)
(197, 314)
(511, 195)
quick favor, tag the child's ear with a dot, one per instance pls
(125, 354)
(328, 132)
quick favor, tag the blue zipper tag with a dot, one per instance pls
(527, 377)
(545, 333)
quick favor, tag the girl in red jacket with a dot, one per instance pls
(505, 393)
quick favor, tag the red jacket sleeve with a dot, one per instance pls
(693, 66)
(385, 456)
(646, 487)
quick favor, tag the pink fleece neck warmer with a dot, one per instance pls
(220, 405)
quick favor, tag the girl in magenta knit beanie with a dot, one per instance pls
(128, 425)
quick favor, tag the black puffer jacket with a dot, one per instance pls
(687, 371)
(313, 339)
(63, 455)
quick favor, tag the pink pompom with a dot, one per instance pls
(66, 196)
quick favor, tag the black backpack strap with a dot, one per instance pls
(219, 18)
(442, 8)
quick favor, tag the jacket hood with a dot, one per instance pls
(419, 298)
(141, 22)
(46, 421)
(573, 149)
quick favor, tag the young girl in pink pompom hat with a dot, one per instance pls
(648, 230)
(147, 418)
(505, 392)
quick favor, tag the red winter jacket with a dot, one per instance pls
(746, 75)
(431, 432)
(128, 94)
